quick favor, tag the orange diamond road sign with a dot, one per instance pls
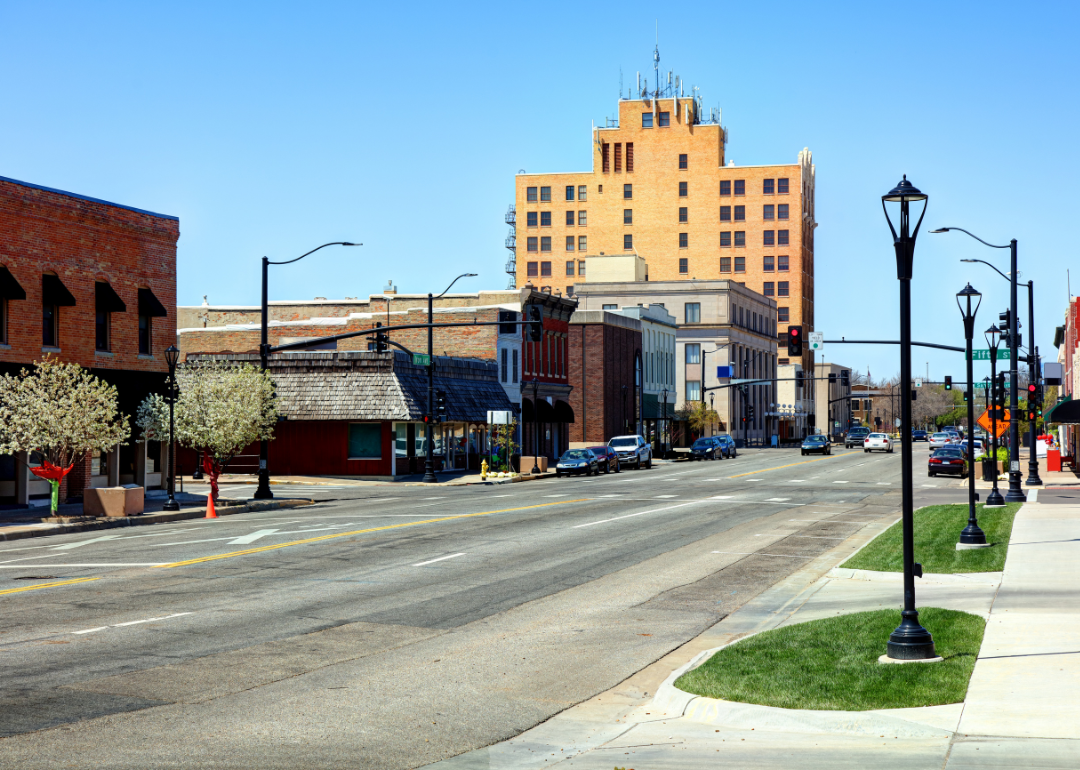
(1002, 425)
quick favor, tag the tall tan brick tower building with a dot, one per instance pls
(661, 187)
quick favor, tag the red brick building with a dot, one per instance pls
(546, 413)
(94, 283)
(606, 373)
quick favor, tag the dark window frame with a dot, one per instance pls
(545, 219)
(570, 192)
(684, 160)
(783, 238)
(725, 264)
(532, 244)
(532, 219)
(740, 239)
(646, 120)
(782, 264)
(768, 237)
(684, 240)
(740, 264)
(782, 211)
(725, 187)
(102, 324)
(768, 186)
(532, 269)
(739, 213)
(545, 244)
(628, 192)
(684, 214)
(783, 288)
(50, 326)
(146, 335)
(545, 269)
(663, 119)
(768, 264)
(628, 241)
(768, 212)
(530, 194)
(570, 265)
(545, 194)
(740, 187)
(782, 186)
(571, 216)
(684, 266)
(570, 243)
(684, 190)
(628, 216)
(725, 239)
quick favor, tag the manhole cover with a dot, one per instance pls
(37, 577)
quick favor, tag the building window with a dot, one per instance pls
(682, 189)
(646, 120)
(683, 216)
(684, 240)
(782, 264)
(740, 264)
(782, 186)
(693, 353)
(782, 289)
(581, 267)
(628, 216)
(770, 289)
(146, 333)
(684, 265)
(628, 241)
(545, 269)
(545, 194)
(725, 187)
(767, 212)
(531, 270)
(740, 213)
(682, 160)
(693, 390)
(581, 243)
(769, 237)
(610, 307)
(725, 213)
(504, 365)
(581, 190)
(665, 119)
(627, 191)
(569, 218)
(531, 242)
(740, 238)
(531, 219)
(629, 156)
(101, 330)
(767, 266)
(781, 237)
(740, 187)
(725, 239)
(782, 315)
(569, 243)
(767, 186)
(725, 264)
(50, 336)
(618, 157)
(569, 195)
(582, 218)
(782, 211)
(365, 441)
(545, 219)
(605, 157)
(514, 374)
(570, 267)
(530, 194)
(545, 243)
(692, 313)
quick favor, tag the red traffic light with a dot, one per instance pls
(794, 331)
(1031, 387)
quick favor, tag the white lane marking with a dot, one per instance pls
(441, 558)
(796, 481)
(758, 553)
(884, 483)
(132, 623)
(754, 479)
(721, 497)
(658, 497)
(559, 495)
(929, 486)
(618, 495)
(433, 498)
(81, 543)
(117, 564)
(501, 495)
(245, 539)
(639, 513)
(1033, 496)
(778, 499)
(841, 482)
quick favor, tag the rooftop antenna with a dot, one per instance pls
(656, 59)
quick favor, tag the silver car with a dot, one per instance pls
(938, 440)
(633, 451)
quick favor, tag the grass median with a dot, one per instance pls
(937, 530)
(832, 664)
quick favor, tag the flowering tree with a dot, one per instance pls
(62, 412)
(699, 416)
(503, 443)
(220, 410)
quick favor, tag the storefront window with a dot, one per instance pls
(365, 441)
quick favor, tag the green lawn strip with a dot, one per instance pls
(832, 664)
(937, 531)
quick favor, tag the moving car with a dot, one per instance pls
(947, 460)
(878, 441)
(817, 442)
(728, 444)
(855, 437)
(632, 450)
(918, 435)
(607, 458)
(577, 461)
(706, 449)
(938, 440)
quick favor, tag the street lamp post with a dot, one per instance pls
(971, 535)
(993, 337)
(663, 423)
(536, 426)
(429, 455)
(263, 492)
(712, 404)
(172, 355)
(909, 641)
(626, 422)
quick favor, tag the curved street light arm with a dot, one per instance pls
(334, 243)
(980, 240)
(463, 275)
(988, 265)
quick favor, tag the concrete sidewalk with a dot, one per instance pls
(1018, 711)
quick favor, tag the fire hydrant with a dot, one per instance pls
(483, 470)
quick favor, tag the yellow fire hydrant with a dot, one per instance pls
(483, 470)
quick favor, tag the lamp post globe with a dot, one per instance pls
(909, 641)
(968, 300)
(172, 356)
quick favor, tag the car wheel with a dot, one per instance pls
(803, 453)
(618, 467)
(931, 474)
(649, 463)
(558, 474)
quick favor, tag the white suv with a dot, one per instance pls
(632, 450)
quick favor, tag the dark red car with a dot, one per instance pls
(607, 458)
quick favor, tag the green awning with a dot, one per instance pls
(1067, 411)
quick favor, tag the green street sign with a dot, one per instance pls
(984, 355)
(421, 359)
(981, 385)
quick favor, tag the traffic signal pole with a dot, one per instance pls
(1033, 479)
(429, 463)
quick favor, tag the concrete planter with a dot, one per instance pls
(113, 501)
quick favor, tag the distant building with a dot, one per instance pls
(607, 371)
(658, 353)
(832, 401)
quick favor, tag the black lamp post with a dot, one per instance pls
(712, 403)
(971, 535)
(625, 421)
(663, 423)
(910, 641)
(993, 337)
(172, 355)
(536, 426)
(263, 492)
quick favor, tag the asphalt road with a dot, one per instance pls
(390, 627)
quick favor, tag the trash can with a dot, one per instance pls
(989, 467)
(1053, 460)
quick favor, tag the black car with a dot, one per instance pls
(607, 458)
(577, 461)
(919, 435)
(817, 442)
(706, 449)
(949, 459)
(855, 437)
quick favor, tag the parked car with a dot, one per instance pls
(607, 458)
(938, 440)
(855, 437)
(878, 441)
(918, 435)
(632, 450)
(574, 461)
(817, 442)
(948, 460)
(706, 448)
(980, 451)
(728, 444)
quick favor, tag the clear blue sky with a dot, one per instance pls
(270, 128)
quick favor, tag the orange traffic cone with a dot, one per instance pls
(210, 512)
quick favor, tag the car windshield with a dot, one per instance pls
(941, 435)
(702, 443)
(621, 442)
(948, 453)
(576, 454)
(815, 439)
(877, 435)
(724, 439)
(859, 431)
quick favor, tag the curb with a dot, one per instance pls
(152, 518)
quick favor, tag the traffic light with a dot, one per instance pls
(798, 379)
(440, 404)
(1005, 321)
(381, 339)
(794, 341)
(750, 412)
(845, 379)
(948, 382)
(965, 396)
(832, 377)
(535, 319)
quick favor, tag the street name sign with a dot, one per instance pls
(421, 359)
(984, 355)
(986, 424)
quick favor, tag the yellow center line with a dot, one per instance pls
(792, 465)
(264, 548)
(48, 585)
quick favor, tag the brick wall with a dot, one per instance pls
(602, 360)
